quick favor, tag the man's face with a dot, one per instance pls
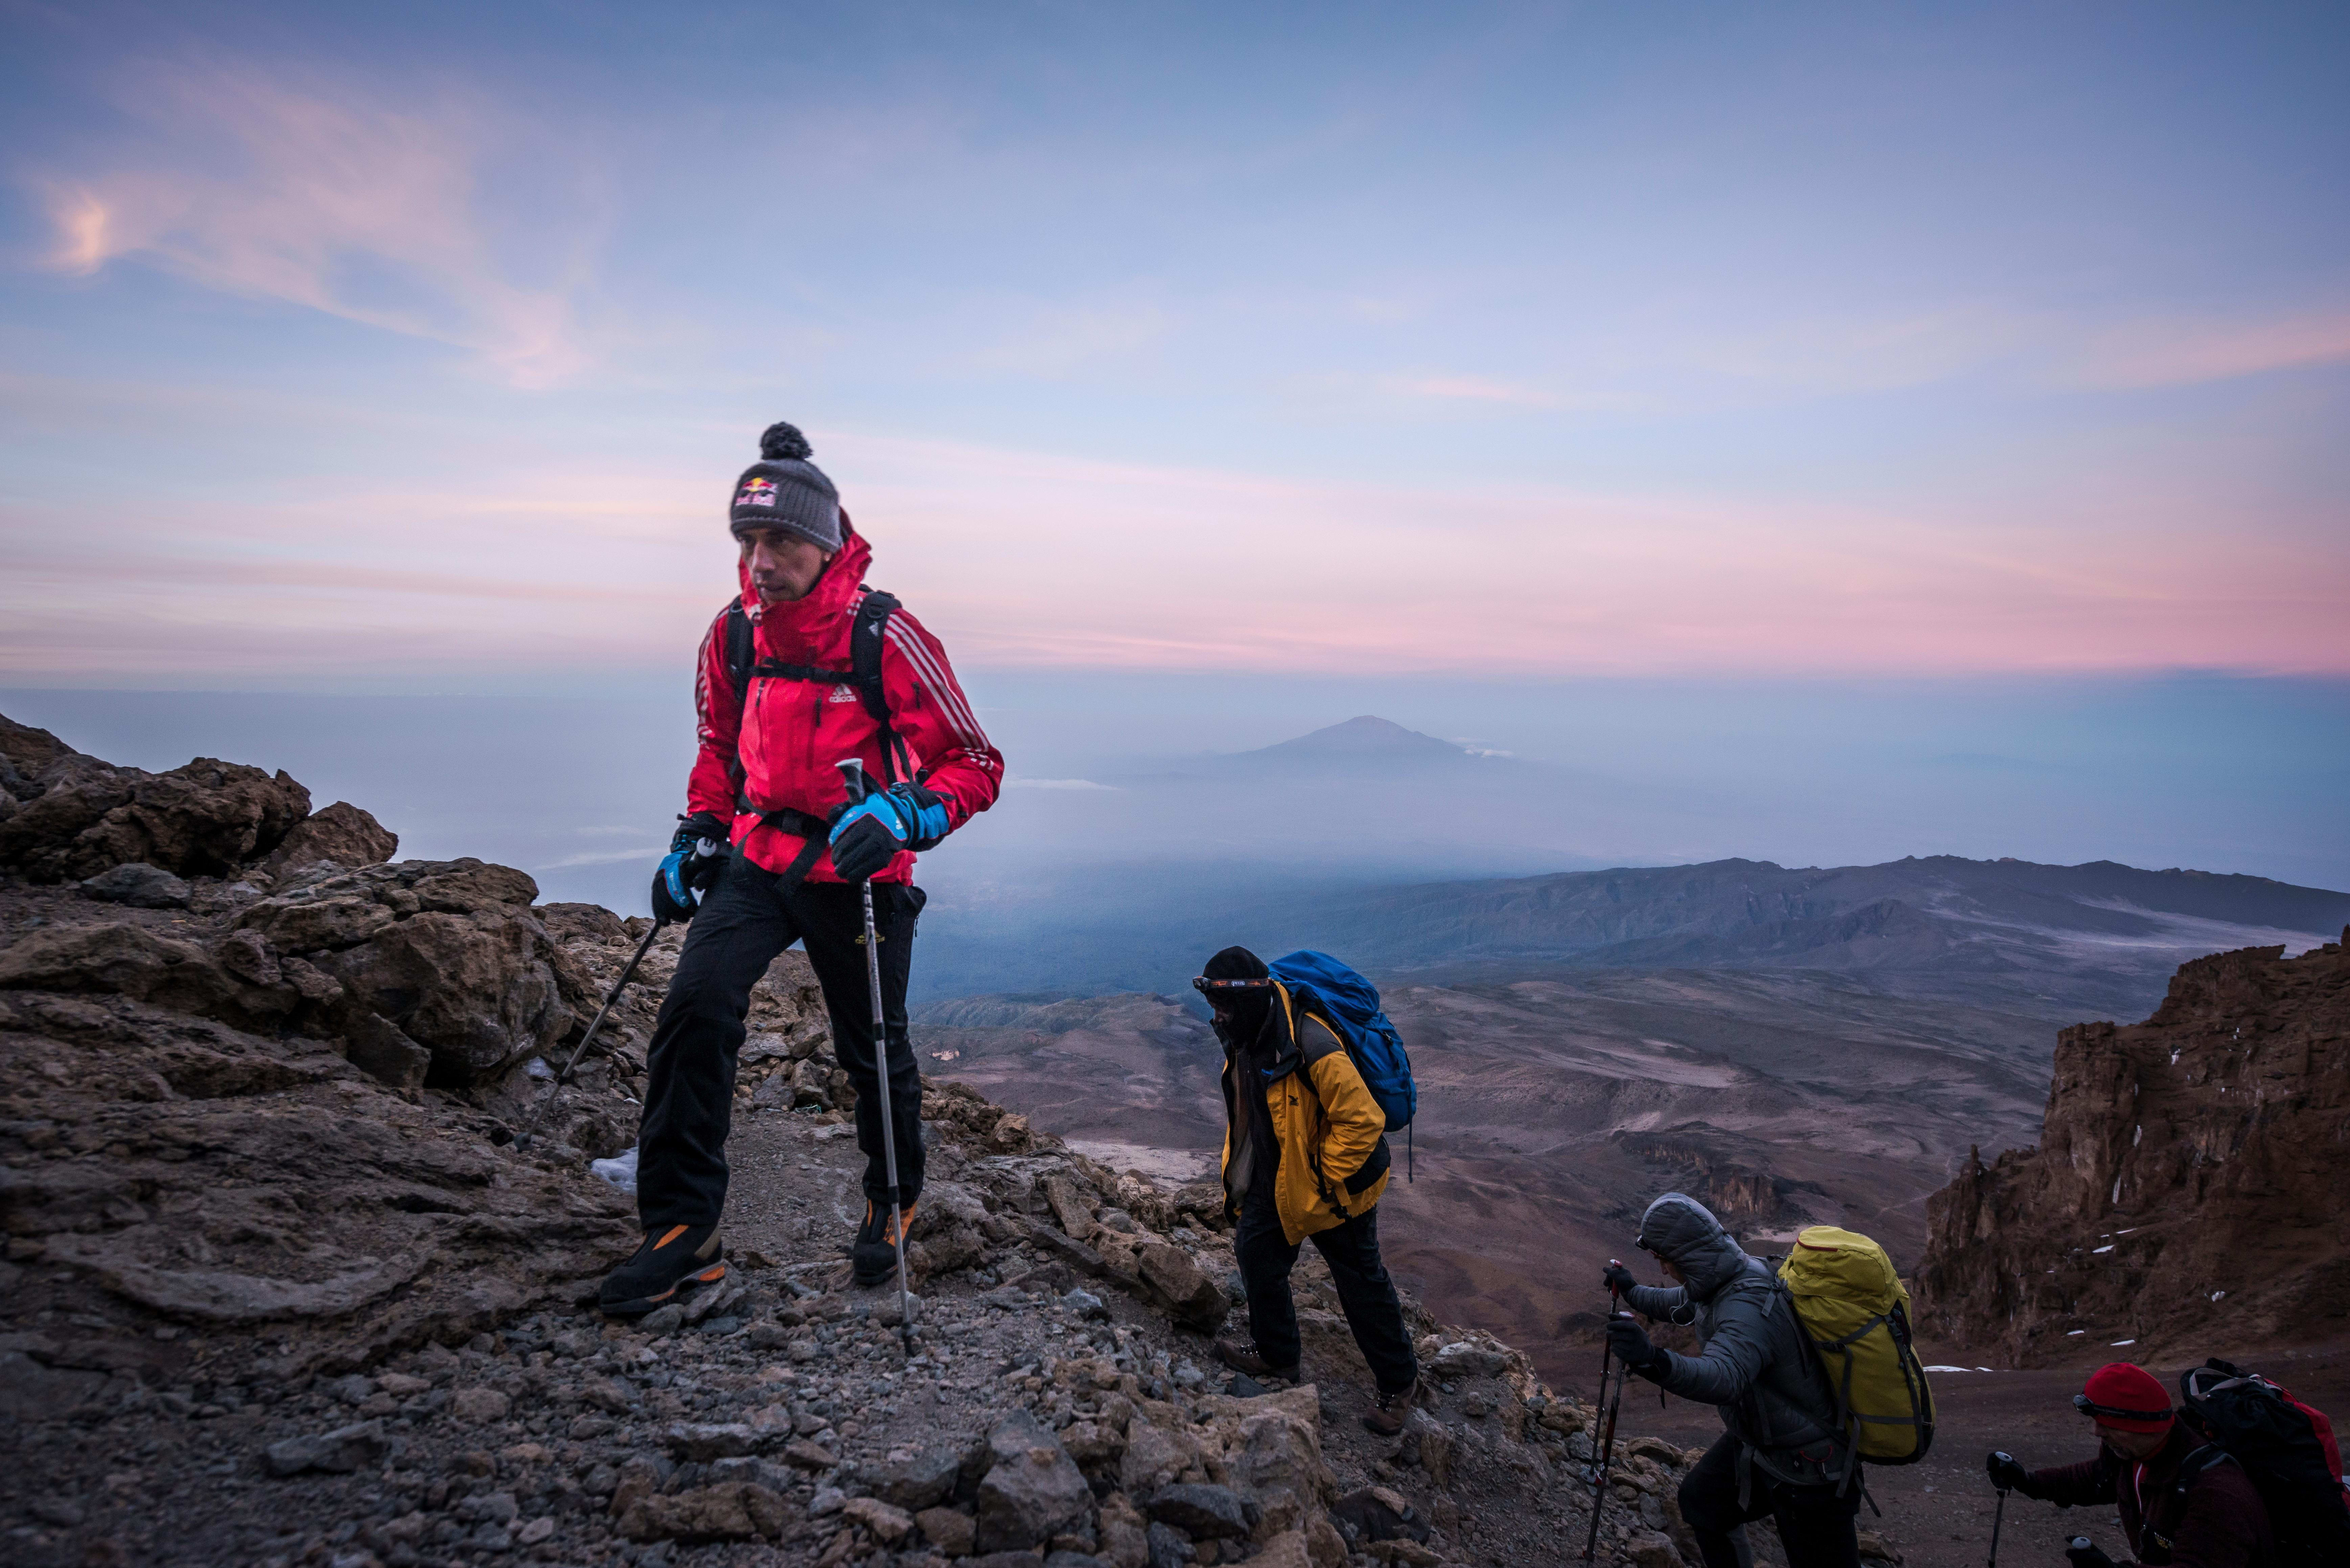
(1672, 1270)
(2139, 1446)
(782, 566)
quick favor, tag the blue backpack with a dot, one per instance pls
(1351, 1004)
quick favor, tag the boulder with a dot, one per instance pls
(701, 1442)
(339, 1452)
(1032, 1488)
(380, 1049)
(139, 885)
(888, 1524)
(341, 833)
(1464, 1360)
(945, 1529)
(738, 1510)
(447, 951)
(1200, 1511)
(206, 818)
(1196, 1300)
(914, 1484)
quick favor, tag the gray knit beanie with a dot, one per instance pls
(783, 490)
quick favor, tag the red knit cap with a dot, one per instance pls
(2127, 1399)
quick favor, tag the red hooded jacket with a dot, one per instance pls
(790, 733)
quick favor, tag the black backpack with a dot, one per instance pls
(863, 676)
(2271, 1437)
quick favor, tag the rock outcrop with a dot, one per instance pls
(270, 1240)
(2186, 1195)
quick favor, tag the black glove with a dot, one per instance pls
(1630, 1343)
(1617, 1277)
(2083, 1554)
(2008, 1475)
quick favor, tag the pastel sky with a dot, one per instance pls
(416, 342)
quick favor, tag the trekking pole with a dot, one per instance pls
(1997, 1515)
(1607, 1443)
(852, 774)
(531, 1129)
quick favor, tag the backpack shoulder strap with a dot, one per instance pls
(741, 652)
(866, 640)
(2192, 1470)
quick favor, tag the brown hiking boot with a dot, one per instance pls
(1241, 1355)
(1389, 1411)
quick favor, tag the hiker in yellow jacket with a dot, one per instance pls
(1306, 1155)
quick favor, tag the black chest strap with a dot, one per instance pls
(866, 641)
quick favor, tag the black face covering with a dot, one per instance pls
(1240, 1024)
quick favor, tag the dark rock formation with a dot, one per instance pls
(2186, 1190)
(341, 833)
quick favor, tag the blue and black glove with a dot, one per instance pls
(696, 859)
(1617, 1278)
(869, 835)
(1630, 1343)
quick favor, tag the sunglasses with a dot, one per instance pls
(2088, 1406)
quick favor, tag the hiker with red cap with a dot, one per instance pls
(805, 670)
(2182, 1502)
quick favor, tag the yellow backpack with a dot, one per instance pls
(1857, 1314)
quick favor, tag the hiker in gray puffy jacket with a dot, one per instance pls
(1780, 1457)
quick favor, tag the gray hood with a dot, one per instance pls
(1684, 1232)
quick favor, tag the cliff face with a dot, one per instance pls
(2188, 1190)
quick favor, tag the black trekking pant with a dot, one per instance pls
(744, 923)
(1267, 1255)
(1815, 1525)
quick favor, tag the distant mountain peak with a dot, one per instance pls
(1365, 735)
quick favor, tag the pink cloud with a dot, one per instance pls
(2178, 353)
(320, 198)
(1024, 559)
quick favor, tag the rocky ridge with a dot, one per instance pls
(279, 1289)
(2187, 1189)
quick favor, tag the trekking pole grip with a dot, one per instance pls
(852, 774)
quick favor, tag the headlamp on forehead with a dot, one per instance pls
(1215, 989)
(2088, 1406)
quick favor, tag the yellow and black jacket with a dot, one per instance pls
(1332, 1135)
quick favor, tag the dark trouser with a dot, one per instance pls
(1816, 1526)
(1352, 1250)
(744, 922)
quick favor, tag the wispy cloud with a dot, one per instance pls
(1472, 389)
(2179, 352)
(318, 195)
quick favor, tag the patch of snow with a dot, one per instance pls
(2106, 1248)
(2076, 1332)
(2217, 1294)
(2120, 1342)
(620, 1170)
(1946, 1369)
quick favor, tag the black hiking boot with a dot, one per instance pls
(1389, 1411)
(873, 1256)
(674, 1260)
(1241, 1355)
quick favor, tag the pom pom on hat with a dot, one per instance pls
(781, 443)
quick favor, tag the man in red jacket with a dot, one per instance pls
(2181, 1502)
(772, 853)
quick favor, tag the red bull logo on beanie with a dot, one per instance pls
(756, 493)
